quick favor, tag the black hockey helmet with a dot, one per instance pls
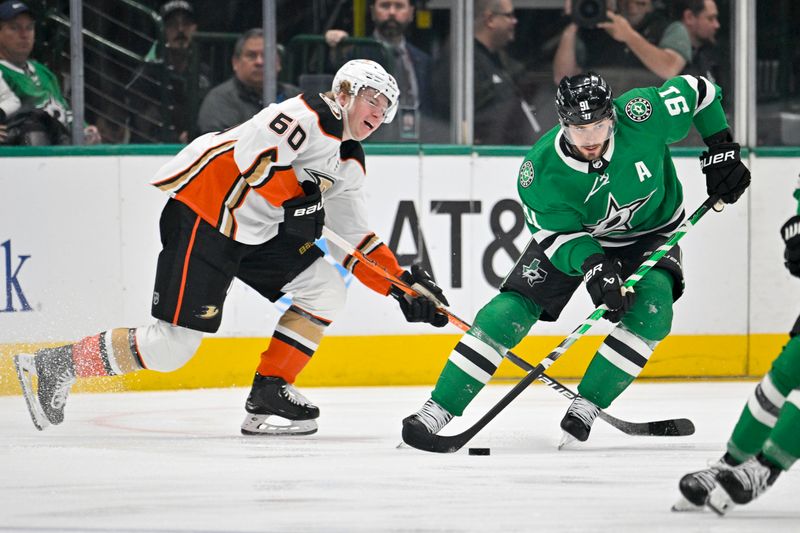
(583, 99)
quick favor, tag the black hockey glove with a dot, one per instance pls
(304, 217)
(604, 283)
(726, 175)
(791, 236)
(421, 308)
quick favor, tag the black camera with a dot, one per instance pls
(587, 13)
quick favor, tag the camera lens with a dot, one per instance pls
(589, 9)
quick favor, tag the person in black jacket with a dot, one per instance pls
(239, 98)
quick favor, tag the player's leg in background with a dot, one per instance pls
(767, 427)
(766, 439)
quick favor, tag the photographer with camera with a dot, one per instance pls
(630, 42)
(32, 109)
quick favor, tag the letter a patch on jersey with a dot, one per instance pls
(533, 273)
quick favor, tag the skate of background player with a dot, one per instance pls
(78, 295)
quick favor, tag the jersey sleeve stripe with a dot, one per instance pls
(704, 90)
(179, 180)
(257, 172)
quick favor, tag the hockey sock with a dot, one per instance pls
(501, 323)
(616, 364)
(110, 353)
(627, 349)
(760, 414)
(296, 338)
(783, 445)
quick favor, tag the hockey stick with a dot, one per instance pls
(451, 443)
(665, 428)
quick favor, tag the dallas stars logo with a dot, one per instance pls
(533, 274)
(638, 109)
(618, 217)
(526, 174)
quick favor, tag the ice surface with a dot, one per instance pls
(175, 461)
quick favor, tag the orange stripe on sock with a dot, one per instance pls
(185, 271)
(86, 355)
(282, 360)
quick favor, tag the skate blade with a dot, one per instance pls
(26, 369)
(568, 442)
(261, 425)
(719, 501)
(685, 506)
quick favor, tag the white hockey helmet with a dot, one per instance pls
(363, 73)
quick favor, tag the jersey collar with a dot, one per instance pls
(582, 166)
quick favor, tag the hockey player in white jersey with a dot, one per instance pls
(249, 202)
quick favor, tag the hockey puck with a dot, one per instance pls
(479, 451)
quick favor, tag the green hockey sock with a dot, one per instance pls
(615, 365)
(500, 324)
(783, 445)
(757, 420)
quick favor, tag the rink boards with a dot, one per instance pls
(79, 240)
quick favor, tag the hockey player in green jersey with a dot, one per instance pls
(766, 439)
(599, 193)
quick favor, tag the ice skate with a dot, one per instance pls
(577, 422)
(429, 420)
(696, 487)
(272, 397)
(55, 373)
(742, 484)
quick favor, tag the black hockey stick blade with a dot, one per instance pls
(674, 427)
(417, 436)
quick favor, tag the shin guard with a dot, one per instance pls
(616, 364)
(110, 353)
(294, 342)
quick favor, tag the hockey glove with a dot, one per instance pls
(791, 236)
(421, 308)
(304, 217)
(726, 175)
(604, 283)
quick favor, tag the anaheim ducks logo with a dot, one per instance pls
(208, 312)
(325, 181)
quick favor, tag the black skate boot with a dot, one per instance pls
(696, 487)
(272, 396)
(55, 374)
(577, 422)
(742, 484)
(422, 425)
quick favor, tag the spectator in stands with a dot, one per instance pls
(501, 114)
(391, 19)
(238, 99)
(33, 111)
(701, 19)
(165, 93)
(633, 48)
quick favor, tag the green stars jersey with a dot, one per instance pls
(37, 88)
(575, 208)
